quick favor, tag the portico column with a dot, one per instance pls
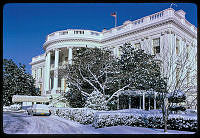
(62, 84)
(129, 102)
(154, 100)
(142, 43)
(70, 55)
(55, 83)
(47, 70)
(143, 101)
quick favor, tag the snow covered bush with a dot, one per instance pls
(149, 120)
(96, 101)
(132, 117)
(81, 115)
(15, 107)
(190, 111)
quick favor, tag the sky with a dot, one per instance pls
(26, 25)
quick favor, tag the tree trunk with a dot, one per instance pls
(165, 114)
(165, 123)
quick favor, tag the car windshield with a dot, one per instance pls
(40, 106)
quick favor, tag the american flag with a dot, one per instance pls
(114, 14)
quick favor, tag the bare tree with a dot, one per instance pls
(178, 68)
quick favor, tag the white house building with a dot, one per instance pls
(166, 34)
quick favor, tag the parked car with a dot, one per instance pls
(39, 109)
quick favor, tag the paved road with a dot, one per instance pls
(14, 122)
(21, 123)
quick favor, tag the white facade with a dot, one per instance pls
(167, 34)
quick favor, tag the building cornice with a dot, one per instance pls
(127, 33)
(36, 62)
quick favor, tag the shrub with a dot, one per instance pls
(137, 118)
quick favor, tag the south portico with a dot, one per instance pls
(55, 58)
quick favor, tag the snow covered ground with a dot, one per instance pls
(21, 123)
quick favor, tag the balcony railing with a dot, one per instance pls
(60, 92)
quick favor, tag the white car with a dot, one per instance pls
(39, 109)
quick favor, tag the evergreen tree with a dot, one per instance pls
(75, 98)
(140, 69)
(96, 101)
(16, 81)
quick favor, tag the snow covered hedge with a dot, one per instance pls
(81, 115)
(178, 122)
(136, 117)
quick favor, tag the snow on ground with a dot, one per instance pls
(25, 124)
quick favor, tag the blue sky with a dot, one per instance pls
(26, 25)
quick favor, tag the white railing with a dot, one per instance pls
(38, 58)
(70, 33)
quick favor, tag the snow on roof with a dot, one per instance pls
(25, 98)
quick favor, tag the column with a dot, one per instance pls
(174, 65)
(70, 55)
(181, 45)
(117, 50)
(129, 102)
(154, 100)
(143, 101)
(47, 69)
(149, 45)
(142, 44)
(162, 45)
(55, 83)
(62, 84)
(140, 102)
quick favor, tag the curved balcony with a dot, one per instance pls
(72, 34)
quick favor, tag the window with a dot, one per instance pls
(137, 45)
(177, 75)
(41, 72)
(156, 46)
(188, 77)
(187, 51)
(177, 46)
(59, 82)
